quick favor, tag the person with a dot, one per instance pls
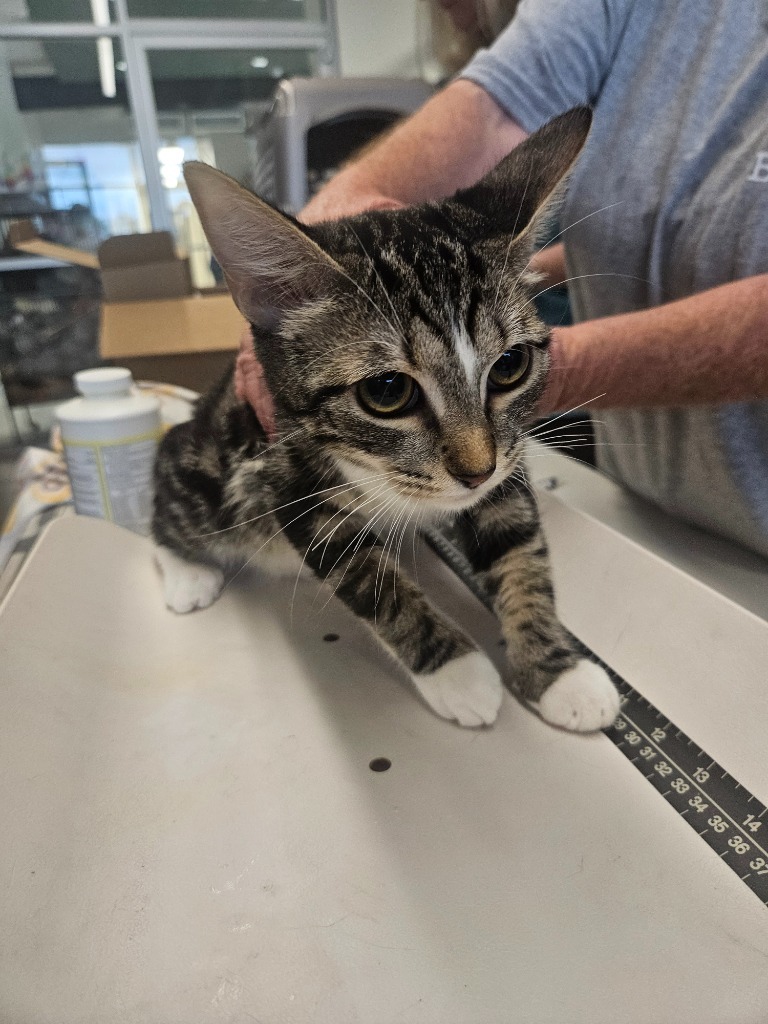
(664, 230)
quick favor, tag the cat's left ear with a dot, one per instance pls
(270, 264)
(510, 199)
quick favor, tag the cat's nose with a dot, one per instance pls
(469, 454)
(474, 479)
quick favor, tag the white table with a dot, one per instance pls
(192, 833)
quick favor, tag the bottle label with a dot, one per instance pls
(113, 479)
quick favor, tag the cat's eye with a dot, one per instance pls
(509, 369)
(389, 394)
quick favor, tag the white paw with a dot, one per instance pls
(582, 699)
(467, 689)
(187, 585)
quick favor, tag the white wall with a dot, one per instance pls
(379, 37)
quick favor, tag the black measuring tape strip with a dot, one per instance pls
(732, 821)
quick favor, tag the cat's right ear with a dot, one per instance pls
(514, 196)
(270, 264)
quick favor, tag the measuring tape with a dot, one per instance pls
(726, 816)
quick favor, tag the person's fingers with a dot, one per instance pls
(243, 364)
(333, 208)
(251, 387)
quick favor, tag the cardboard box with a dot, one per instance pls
(22, 236)
(151, 322)
(189, 341)
(140, 267)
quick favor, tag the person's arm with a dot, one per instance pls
(449, 143)
(707, 349)
(550, 263)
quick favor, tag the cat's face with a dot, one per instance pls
(420, 370)
(403, 344)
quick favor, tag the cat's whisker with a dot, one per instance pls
(341, 488)
(361, 534)
(232, 500)
(588, 444)
(385, 557)
(512, 241)
(554, 435)
(382, 556)
(312, 544)
(394, 499)
(568, 227)
(578, 277)
(361, 498)
(390, 536)
(563, 449)
(277, 533)
(550, 442)
(536, 432)
(625, 444)
(568, 412)
(403, 532)
(401, 527)
(384, 511)
(396, 549)
(327, 539)
(325, 474)
(519, 475)
(420, 514)
(281, 440)
(386, 502)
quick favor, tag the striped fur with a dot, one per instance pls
(438, 292)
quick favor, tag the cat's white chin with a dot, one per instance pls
(459, 502)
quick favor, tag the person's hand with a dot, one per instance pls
(334, 203)
(251, 387)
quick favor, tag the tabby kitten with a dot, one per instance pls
(405, 358)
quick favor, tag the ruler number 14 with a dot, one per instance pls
(751, 823)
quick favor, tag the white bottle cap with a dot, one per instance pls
(107, 380)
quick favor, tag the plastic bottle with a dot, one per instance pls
(110, 439)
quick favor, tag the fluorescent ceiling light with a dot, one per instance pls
(104, 49)
(100, 12)
(106, 57)
(170, 156)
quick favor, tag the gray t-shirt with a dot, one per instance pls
(677, 165)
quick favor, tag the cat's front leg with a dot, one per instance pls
(188, 495)
(505, 545)
(455, 679)
(187, 585)
(466, 689)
